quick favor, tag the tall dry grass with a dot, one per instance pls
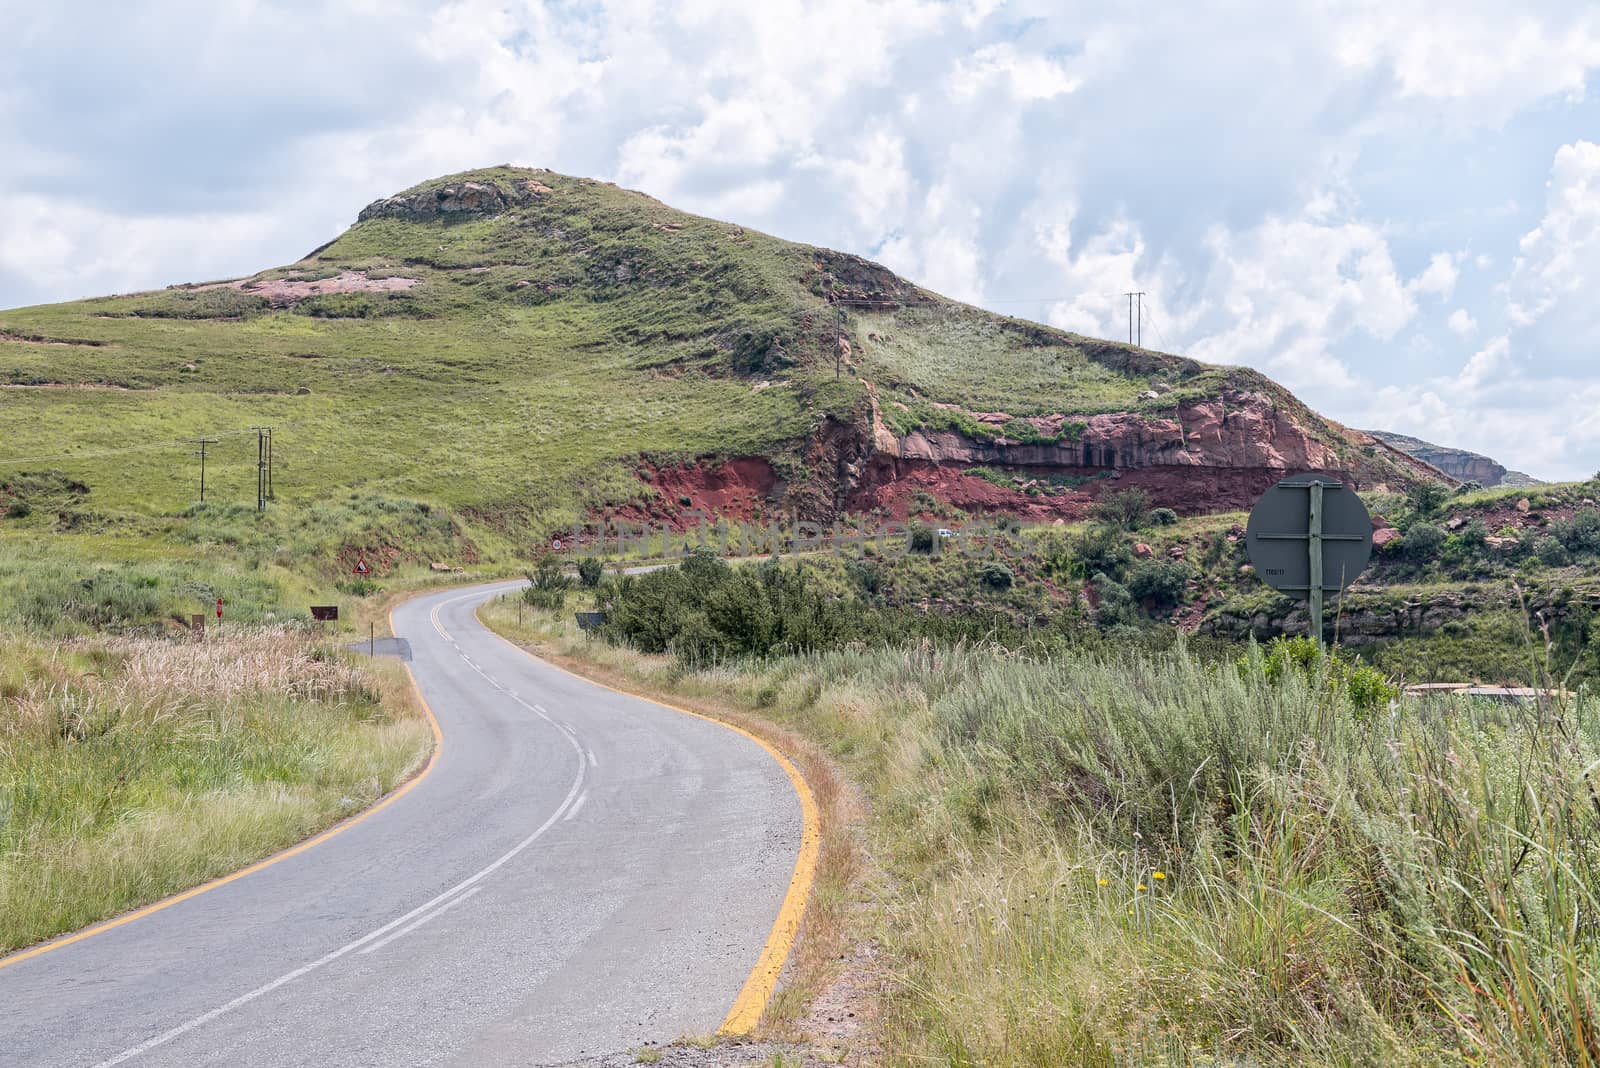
(1145, 859)
(131, 768)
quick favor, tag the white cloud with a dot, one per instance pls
(1484, 363)
(1438, 278)
(1287, 290)
(1557, 269)
(1461, 323)
(1026, 77)
(1483, 55)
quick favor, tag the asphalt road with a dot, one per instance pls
(580, 872)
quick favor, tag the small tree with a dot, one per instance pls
(1128, 509)
(1427, 498)
(996, 576)
(1116, 603)
(547, 583)
(1580, 534)
(1160, 582)
(590, 569)
(1423, 540)
(1552, 553)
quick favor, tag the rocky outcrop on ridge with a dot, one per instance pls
(457, 199)
(1459, 464)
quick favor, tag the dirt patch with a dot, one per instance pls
(741, 489)
(285, 292)
(722, 1055)
(842, 1017)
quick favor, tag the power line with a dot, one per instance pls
(1160, 336)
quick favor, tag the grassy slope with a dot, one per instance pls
(640, 331)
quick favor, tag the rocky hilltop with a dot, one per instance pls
(563, 349)
(1459, 464)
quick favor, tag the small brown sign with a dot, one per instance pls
(325, 613)
(197, 624)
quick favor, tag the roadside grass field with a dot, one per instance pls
(1141, 858)
(134, 768)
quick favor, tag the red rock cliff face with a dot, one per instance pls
(1214, 454)
(1237, 430)
(1209, 455)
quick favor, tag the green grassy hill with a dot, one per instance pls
(489, 358)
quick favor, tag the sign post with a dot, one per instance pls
(219, 613)
(324, 613)
(1308, 536)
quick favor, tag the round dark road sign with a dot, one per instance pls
(1280, 533)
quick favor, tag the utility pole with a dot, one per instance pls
(263, 466)
(203, 442)
(1137, 294)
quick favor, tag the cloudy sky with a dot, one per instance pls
(1391, 207)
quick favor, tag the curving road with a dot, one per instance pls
(579, 872)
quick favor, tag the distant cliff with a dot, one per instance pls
(1459, 464)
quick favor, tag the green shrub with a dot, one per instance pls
(1116, 603)
(590, 571)
(1551, 552)
(547, 583)
(1101, 549)
(1368, 689)
(996, 576)
(1423, 540)
(1473, 534)
(704, 611)
(1426, 498)
(868, 576)
(1163, 517)
(1365, 687)
(923, 539)
(1580, 534)
(1159, 581)
(359, 586)
(1128, 509)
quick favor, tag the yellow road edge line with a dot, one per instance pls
(763, 979)
(195, 891)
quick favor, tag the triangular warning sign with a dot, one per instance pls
(361, 567)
